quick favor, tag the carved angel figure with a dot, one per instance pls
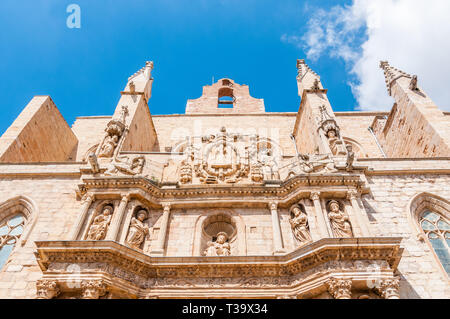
(220, 247)
(99, 226)
(299, 224)
(138, 230)
(339, 220)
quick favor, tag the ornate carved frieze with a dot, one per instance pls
(318, 259)
(125, 165)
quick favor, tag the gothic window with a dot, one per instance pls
(11, 229)
(437, 230)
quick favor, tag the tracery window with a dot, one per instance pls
(437, 230)
(11, 229)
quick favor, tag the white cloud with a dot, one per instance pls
(412, 35)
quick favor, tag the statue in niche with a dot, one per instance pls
(339, 220)
(99, 226)
(219, 247)
(299, 224)
(126, 166)
(138, 230)
(109, 145)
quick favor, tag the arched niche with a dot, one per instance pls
(21, 205)
(95, 211)
(420, 209)
(212, 222)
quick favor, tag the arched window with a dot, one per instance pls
(437, 230)
(10, 231)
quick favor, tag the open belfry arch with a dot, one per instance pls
(228, 200)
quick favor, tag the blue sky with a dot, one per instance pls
(84, 70)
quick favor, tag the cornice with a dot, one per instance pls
(283, 191)
(52, 254)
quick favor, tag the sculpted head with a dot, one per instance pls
(333, 206)
(296, 210)
(331, 134)
(142, 215)
(107, 210)
(222, 237)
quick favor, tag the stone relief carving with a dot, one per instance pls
(270, 166)
(339, 220)
(114, 131)
(350, 157)
(138, 230)
(126, 166)
(185, 172)
(299, 224)
(219, 247)
(99, 227)
(46, 289)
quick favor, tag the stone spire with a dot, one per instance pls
(141, 81)
(307, 79)
(392, 74)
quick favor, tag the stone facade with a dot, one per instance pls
(227, 200)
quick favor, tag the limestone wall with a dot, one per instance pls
(39, 134)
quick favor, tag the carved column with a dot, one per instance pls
(92, 289)
(389, 288)
(277, 240)
(340, 288)
(87, 201)
(46, 289)
(117, 218)
(315, 197)
(362, 222)
(159, 248)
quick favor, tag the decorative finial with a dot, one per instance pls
(391, 74)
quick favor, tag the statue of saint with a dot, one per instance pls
(109, 145)
(299, 224)
(339, 220)
(220, 247)
(138, 230)
(99, 226)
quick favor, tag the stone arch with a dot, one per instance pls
(419, 205)
(18, 216)
(27, 207)
(237, 240)
(358, 149)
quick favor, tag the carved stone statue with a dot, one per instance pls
(270, 166)
(220, 247)
(339, 220)
(138, 230)
(109, 145)
(99, 226)
(299, 224)
(126, 166)
(350, 157)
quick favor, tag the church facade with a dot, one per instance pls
(227, 200)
